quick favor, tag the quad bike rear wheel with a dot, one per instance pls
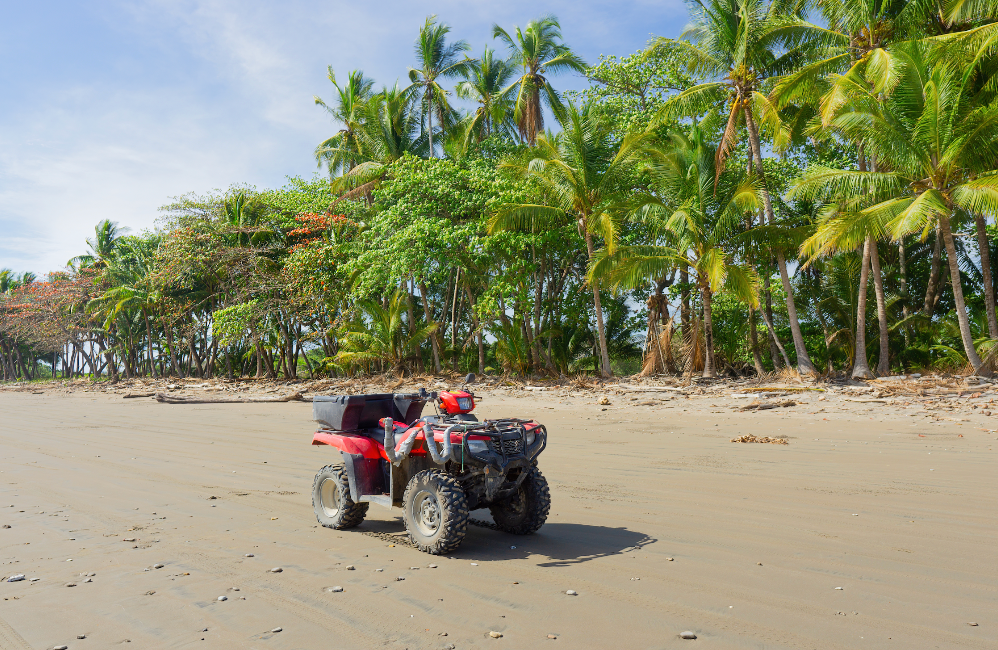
(331, 499)
(435, 510)
(526, 510)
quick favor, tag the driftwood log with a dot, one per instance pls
(132, 395)
(180, 399)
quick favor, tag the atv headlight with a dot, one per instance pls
(478, 446)
(464, 403)
(531, 436)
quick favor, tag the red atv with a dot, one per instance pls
(437, 468)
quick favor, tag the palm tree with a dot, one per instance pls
(102, 245)
(939, 146)
(701, 213)
(390, 130)
(582, 179)
(486, 84)
(538, 51)
(740, 44)
(340, 152)
(437, 60)
(382, 334)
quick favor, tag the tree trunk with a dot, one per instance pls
(989, 288)
(961, 306)
(804, 365)
(776, 350)
(478, 330)
(754, 343)
(883, 362)
(903, 282)
(708, 332)
(684, 311)
(933, 288)
(861, 367)
(604, 354)
(429, 117)
(429, 319)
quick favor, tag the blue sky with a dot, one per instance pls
(109, 108)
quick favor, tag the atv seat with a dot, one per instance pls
(365, 412)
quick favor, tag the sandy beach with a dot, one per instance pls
(874, 527)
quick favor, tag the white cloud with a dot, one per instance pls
(200, 94)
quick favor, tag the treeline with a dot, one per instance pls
(761, 193)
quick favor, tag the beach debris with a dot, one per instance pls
(177, 399)
(972, 624)
(552, 636)
(433, 566)
(571, 592)
(150, 592)
(6, 525)
(758, 563)
(60, 647)
(604, 401)
(158, 565)
(221, 598)
(81, 636)
(670, 559)
(687, 635)
(399, 579)
(351, 567)
(762, 439)
(495, 635)
(248, 555)
(276, 569)
(336, 590)
(19, 577)
(277, 629)
(838, 588)
(70, 584)
(89, 580)
(128, 539)
(762, 406)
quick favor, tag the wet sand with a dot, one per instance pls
(659, 522)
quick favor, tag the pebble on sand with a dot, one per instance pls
(248, 555)
(70, 584)
(19, 577)
(495, 635)
(687, 635)
(158, 565)
(277, 629)
(336, 590)
(351, 567)
(433, 566)
(972, 624)
(552, 636)
(276, 569)
(81, 636)
(128, 539)
(571, 592)
(221, 598)
(839, 589)
(60, 647)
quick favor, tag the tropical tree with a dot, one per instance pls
(382, 334)
(437, 60)
(740, 45)
(538, 50)
(939, 148)
(581, 177)
(103, 245)
(341, 151)
(486, 84)
(702, 215)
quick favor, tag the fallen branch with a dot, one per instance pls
(762, 406)
(133, 395)
(178, 399)
(878, 400)
(650, 389)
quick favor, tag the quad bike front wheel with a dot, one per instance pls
(331, 499)
(526, 510)
(435, 510)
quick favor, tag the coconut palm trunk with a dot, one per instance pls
(989, 290)
(861, 367)
(961, 305)
(804, 365)
(708, 330)
(883, 363)
(604, 354)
